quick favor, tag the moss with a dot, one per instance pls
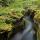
(37, 16)
(37, 20)
(10, 21)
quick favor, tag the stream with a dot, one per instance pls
(26, 34)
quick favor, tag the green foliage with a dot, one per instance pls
(6, 2)
(7, 21)
(16, 5)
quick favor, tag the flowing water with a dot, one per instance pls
(27, 33)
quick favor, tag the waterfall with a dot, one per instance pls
(27, 33)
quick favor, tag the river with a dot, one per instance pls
(27, 33)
